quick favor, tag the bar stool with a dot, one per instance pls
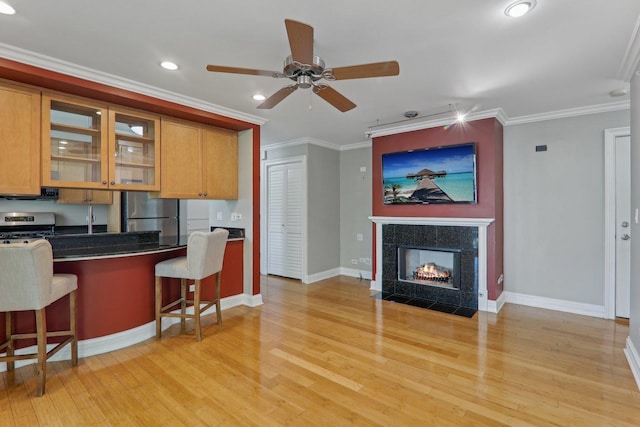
(205, 253)
(27, 282)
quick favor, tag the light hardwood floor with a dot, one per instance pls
(327, 354)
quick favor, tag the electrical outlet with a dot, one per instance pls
(219, 216)
(192, 288)
(359, 237)
(354, 261)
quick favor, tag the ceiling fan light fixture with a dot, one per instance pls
(259, 97)
(519, 8)
(168, 65)
(6, 9)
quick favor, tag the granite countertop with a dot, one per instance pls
(100, 245)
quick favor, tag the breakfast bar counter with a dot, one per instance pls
(115, 298)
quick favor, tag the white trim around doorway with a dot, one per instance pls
(610, 136)
(264, 167)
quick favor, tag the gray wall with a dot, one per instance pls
(554, 207)
(323, 209)
(634, 328)
(355, 209)
(323, 203)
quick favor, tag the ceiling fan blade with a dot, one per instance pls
(301, 41)
(334, 98)
(376, 69)
(277, 97)
(236, 70)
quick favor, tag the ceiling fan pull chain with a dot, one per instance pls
(310, 101)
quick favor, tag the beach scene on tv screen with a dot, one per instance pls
(434, 175)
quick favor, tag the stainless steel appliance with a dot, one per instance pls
(24, 227)
(140, 213)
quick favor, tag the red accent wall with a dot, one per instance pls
(487, 134)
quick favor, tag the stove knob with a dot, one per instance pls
(25, 241)
(6, 242)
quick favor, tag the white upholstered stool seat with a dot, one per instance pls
(205, 254)
(27, 282)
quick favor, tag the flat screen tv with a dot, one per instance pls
(431, 175)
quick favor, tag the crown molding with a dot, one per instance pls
(319, 142)
(631, 60)
(301, 141)
(356, 146)
(570, 112)
(37, 60)
(413, 124)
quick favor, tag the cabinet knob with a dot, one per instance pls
(113, 183)
(199, 194)
(205, 194)
(104, 182)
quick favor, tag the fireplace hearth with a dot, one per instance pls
(431, 266)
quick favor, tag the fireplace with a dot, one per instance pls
(466, 235)
(429, 266)
(431, 263)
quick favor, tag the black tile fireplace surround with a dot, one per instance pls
(462, 238)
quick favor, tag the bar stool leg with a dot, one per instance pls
(158, 306)
(41, 337)
(8, 327)
(73, 328)
(196, 309)
(218, 311)
(183, 304)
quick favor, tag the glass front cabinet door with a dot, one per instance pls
(135, 150)
(93, 145)
(74, 149)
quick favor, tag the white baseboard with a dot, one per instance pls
(117, 341)
(496, 306)
(634, 360)
(555, 304)
(311, 278)
(354, 272)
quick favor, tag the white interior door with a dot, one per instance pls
(623, 229)
(285, 220)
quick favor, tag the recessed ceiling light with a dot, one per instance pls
(259, 97)
(519, 8)
(6, 9)
(168, 65)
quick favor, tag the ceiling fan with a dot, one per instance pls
(306, 69)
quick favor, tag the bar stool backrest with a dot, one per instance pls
(26, 272)
(205, 252)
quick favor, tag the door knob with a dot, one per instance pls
(625, 237)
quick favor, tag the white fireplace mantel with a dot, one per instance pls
(480, 223)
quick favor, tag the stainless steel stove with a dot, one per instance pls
(16, 227)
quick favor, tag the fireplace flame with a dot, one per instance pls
(431, 271)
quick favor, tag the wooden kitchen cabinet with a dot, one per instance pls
(77, 196)
(198, 162)
(19, 140)
(91, 145)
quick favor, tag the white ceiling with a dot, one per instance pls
(565, 54)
